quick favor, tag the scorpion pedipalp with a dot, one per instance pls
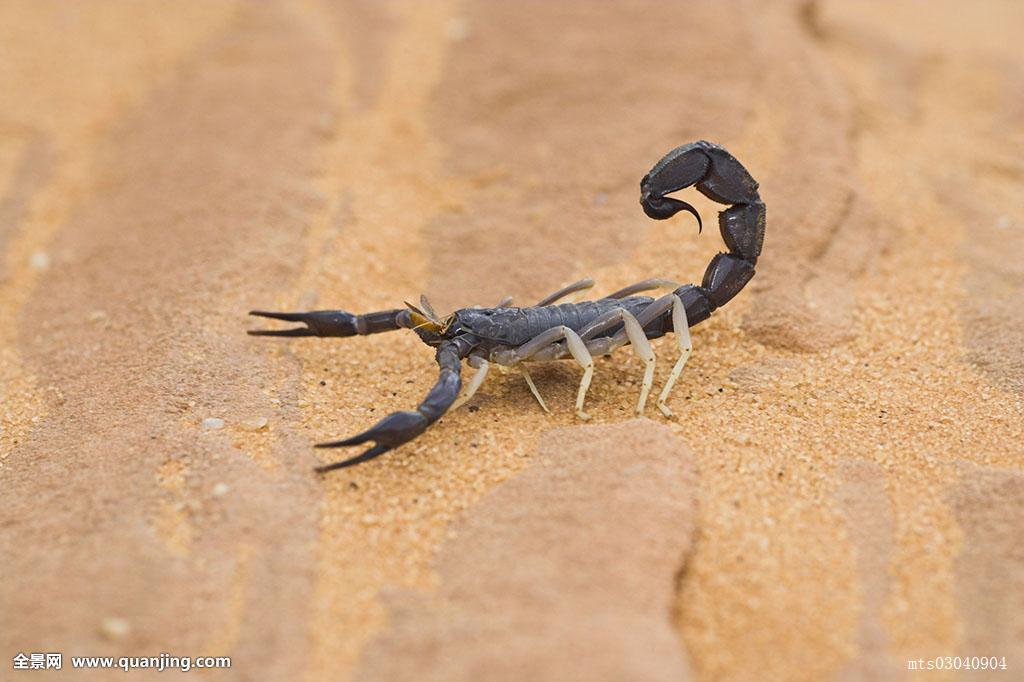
(318, 323)
(390, 432)
(333, 323)
(398, 428)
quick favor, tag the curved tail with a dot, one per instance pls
(720, 177)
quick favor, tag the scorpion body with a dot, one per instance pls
(503, 327)
(514, 336)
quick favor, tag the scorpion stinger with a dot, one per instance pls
(514, 336)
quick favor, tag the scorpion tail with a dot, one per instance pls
(720, 177)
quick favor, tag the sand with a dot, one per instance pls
(854, 417)
(565, 572)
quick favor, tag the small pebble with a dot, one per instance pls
(457, 29)
(115, 628)
(40, 260)
(219, 490)
(211, 423)
(254, 424)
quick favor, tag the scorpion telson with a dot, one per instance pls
(513, 336)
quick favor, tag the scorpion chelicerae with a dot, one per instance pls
(512, 336)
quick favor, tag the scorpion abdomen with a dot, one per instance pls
(515, 326)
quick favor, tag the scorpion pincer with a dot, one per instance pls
(513, 336)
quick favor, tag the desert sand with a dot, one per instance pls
(841, 490)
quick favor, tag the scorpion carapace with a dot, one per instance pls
(514, 336)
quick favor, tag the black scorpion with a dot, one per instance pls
(512, 336)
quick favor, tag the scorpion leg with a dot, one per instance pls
(401, 427)
(681, 326)
(533, 388)
(565, 291)
(474, 384)
(634, 331)
(577, 349)
(645, 285)
(503, 303)
(508, 357)
(334, 323)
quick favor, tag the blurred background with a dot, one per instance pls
(841, 490)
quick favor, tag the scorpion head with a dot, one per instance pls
(432, 330)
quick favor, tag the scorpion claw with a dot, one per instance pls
(375, 451)
(358, 439)
(298, 331)
(287, 317)
(390, 432)
(318, 323)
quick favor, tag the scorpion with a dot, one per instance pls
(512, 336)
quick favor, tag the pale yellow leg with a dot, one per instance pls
(682, 331)
(642, 347)
(579, 352)
(533, 388)
(474, 384)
